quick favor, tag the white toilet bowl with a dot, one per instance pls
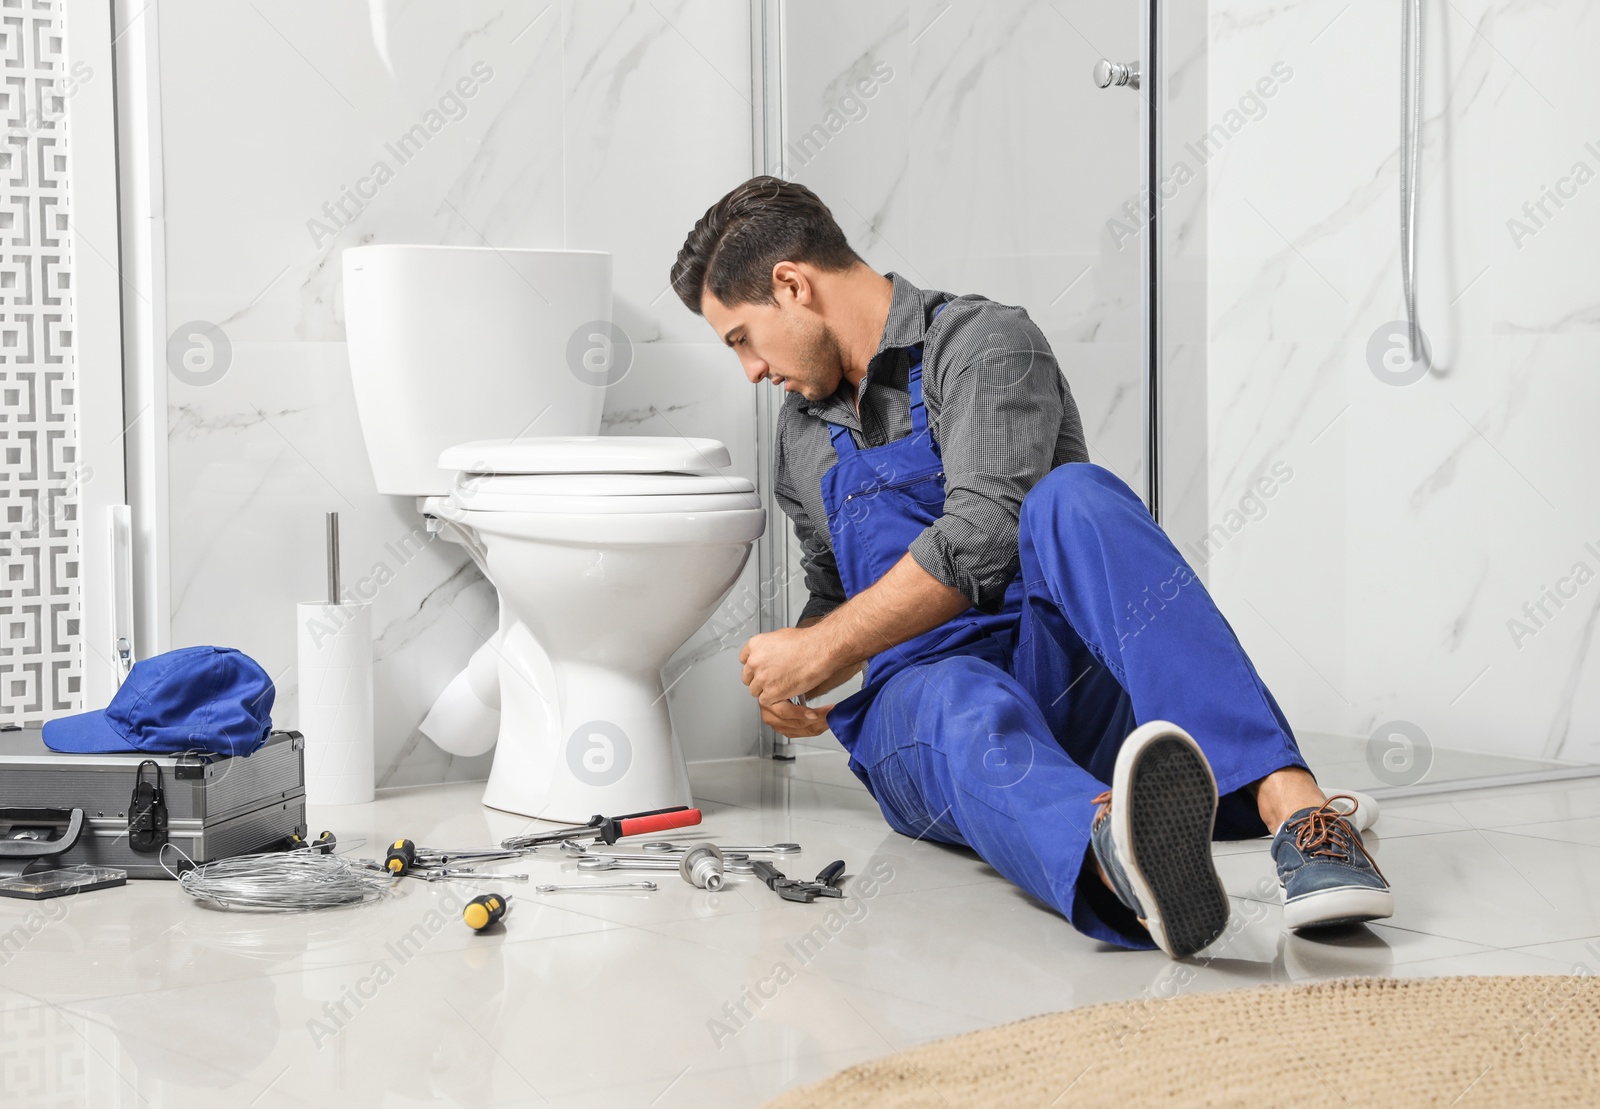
(607, 552)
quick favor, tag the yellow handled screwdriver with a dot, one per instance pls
(402, 857)
(485, 910)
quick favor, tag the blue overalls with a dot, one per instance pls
(996, 731)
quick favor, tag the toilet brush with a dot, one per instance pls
(335, 662)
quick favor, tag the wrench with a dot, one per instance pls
(583, 852)
(465, 874)
(660, 846)
(596, 886)
(658, 862)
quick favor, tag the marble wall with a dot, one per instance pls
(964, 146)
(597, 125)
(984, 160)
(1422, 548)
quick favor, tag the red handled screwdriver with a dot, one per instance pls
(611, 828)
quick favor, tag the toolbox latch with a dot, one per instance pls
(190, 766)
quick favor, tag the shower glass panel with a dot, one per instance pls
(1409, 548)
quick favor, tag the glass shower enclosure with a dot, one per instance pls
(1201, 209)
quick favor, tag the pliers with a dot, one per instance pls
(825, 884)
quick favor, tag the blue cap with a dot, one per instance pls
(213, 699)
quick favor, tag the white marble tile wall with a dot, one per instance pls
(964, 146)
(1430, 552)
(596, 125)
(985, 161)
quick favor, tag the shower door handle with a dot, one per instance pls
(1108, 73)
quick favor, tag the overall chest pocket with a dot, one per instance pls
(919, 498)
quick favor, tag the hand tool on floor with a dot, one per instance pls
(611, 828)
(824, 885)
(464, 874)
(585, 851)
(484, 910)
(702, 866)
(324, 844)
(600, 862)
(406, 860)
(644, 885)
(401, 858)
(603, 862)
(666, 847)
(434, 856)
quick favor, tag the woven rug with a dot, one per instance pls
(1513, 1041)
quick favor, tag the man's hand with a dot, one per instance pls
(814, 658)
(788, 662)
(795, 721)
(764, 657)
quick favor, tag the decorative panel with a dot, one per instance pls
(41, 645)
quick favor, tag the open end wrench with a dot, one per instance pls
(606, 862)
(584, 852)
(659, 862)
(664, 847)
(603, 886)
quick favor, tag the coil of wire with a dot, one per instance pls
(285, 882)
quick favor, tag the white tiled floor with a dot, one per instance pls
(136, 996)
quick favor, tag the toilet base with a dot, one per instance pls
(583, 741)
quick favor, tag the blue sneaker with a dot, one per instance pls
(1324, 871)
(1154, 842)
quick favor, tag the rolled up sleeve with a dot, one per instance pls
(998, 395)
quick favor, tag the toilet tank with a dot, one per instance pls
(452, 344)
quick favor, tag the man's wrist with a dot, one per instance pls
(832, 645)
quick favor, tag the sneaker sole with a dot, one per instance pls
(1163, 812)
(1340, 905)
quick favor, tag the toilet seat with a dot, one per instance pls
(609, 494)
(487, 499)
(604, 475)
(600, 485)
(589, 454)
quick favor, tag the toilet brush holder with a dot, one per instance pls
(335, 668)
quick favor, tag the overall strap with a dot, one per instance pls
(844, 443)
(919, 413)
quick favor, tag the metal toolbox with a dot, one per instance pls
(216, 806)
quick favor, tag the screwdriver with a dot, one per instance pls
(611, 828)
(485, 910)
(402, 856)
(322, 845)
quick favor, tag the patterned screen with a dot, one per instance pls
(41, 649)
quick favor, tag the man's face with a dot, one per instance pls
(785, 343)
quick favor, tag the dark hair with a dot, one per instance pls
(764, 221)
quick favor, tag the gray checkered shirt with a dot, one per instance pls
(999, 408)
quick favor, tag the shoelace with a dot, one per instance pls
(1104, 801)
(1326, 832)
(1100, 813)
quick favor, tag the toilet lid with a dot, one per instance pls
(588, 454)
